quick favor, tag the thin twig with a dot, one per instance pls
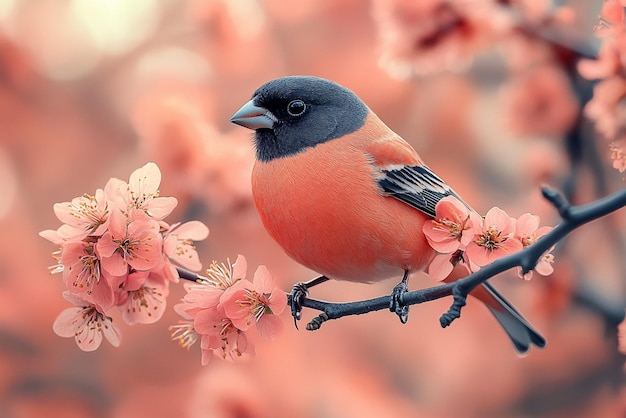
(573, 217)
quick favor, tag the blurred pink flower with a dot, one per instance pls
(176, 128)
(541, 101)
(611, 60)
(527, 231)
(256, 303)
(134, 243)
(493, 238)
(421, 37)
(607, 108)
(612, 18)
(618, 155)
(621, 337)
(86, 324)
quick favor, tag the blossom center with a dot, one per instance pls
(491, 239)
(89, 275)
(184, 333)
(256, 303)
(446, 225)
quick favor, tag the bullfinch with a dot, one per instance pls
(346, 196)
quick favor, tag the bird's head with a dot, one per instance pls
(293, 113)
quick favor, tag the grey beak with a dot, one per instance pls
(254, 117)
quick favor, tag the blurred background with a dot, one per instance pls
(93, 89)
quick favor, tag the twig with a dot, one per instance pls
(573, 217)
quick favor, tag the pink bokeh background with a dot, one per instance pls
(94, 89)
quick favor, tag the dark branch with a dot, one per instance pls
(188, 275)
(573, 217)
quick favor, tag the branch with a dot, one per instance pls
(573, 217)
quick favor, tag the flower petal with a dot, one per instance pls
(264, 280)
(193, 230)
(240, 268)
(160, 207)
(440, 267)
(145, 180)
(270, 327)
(526, 225)
(66, 324)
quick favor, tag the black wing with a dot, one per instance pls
(417, 186)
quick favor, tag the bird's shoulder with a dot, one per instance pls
(383, 146)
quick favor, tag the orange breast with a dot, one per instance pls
(325, 210)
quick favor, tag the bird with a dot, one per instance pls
(346, 196)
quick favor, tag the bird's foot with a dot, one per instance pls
(298, 293)
(396, 304)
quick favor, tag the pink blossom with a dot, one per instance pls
(449, 234)
(130, 242)
(220, 308)
(178, 243)
(82, 273)
(527, 231)
(493, 239)
(142, 192)
(203, 318)
(256, 303)
(618, 155)
(219, 333)
(452, 227)
(85, 215)
(146, 304)
(87, 324)
(115, 251)
(62, 234)
(443, 264)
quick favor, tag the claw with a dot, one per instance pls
(299, 293)
(396, 303)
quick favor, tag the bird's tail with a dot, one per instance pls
(521, 333)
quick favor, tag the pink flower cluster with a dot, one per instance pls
(116, 251)
(219, 309)
(430, 36)
(607, 108)
(461, 237)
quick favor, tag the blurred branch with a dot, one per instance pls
(573, 217)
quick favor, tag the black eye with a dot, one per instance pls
(296, 107)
